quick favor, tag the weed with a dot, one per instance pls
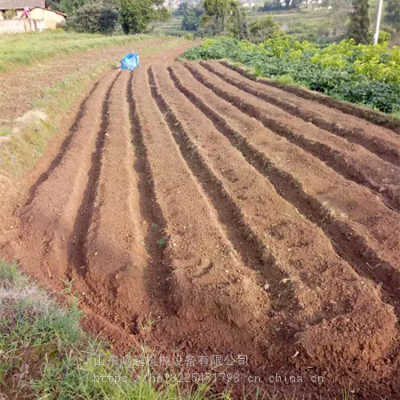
(9, 272)
(285, 80)
(5, 131)
(147, 323)
(50, 356)
(162, 243)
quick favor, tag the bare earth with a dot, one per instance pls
(20, 88)
(242, 218)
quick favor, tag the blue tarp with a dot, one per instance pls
(131, 61)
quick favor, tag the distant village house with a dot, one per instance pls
(26, 15)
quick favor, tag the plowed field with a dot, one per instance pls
(242, 218)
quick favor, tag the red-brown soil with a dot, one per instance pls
(242, 218)
(20, 88)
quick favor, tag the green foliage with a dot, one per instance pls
(212, 49)
(392, 14)
(359, 22)
(162, 243)
(263, 28)
(94, 18)
(9, 272)
(161, 14)
(384, 37)
(44, 353)
(5, 131)
(272, 5)
(191, 20)
(363, 74)
(69, 7)
(224, 17)
(136, 15)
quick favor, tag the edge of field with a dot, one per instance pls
(390, 121)
(21, 50)
(19, 152)
(45, 353)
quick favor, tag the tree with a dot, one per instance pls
(359, 22)
(263, 28)
(191, 20)
(69, 7)
(161, 14)
(136, 15)
(271, 5)
(392, 12)
(94, 17)
(224, 16)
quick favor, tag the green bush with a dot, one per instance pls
(263, 28)
(191, 20)
(136, 15)
(212, 49)
(94, 18)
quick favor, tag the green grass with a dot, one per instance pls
(22, 151)
(5, 131)
(44, 354)
(173, 25)
(25, 49)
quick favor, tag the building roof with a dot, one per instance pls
(51, 10)
(21, 4)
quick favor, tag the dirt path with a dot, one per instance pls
(197, 210)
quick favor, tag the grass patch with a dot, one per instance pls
(5, 131)
(25, 49)
(44, 354)
(23, 150)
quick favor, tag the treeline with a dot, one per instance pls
(206, 18)
(111, 16)
(360, 25)
(224, 17)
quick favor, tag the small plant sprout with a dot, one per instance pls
(147, 323)
(162, 243)
(68, 286)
